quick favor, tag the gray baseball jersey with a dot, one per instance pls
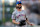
(19, 15)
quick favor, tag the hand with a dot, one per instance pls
(18, 23)
(31, 24)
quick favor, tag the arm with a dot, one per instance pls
(13, 18)
(27, 21)
(15, 22)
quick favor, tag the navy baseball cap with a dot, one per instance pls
(18, 2)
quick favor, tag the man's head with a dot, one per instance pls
(18, 5)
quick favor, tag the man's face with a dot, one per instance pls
(18, 6)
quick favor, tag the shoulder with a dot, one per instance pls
(14, 12)
(23, 10)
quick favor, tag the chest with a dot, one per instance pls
(20, 14)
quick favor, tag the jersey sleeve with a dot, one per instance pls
(13, 15)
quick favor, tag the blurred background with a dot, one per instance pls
(32, 7)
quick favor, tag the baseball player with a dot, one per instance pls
(19, 18)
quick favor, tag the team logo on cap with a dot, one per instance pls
(19, 1)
